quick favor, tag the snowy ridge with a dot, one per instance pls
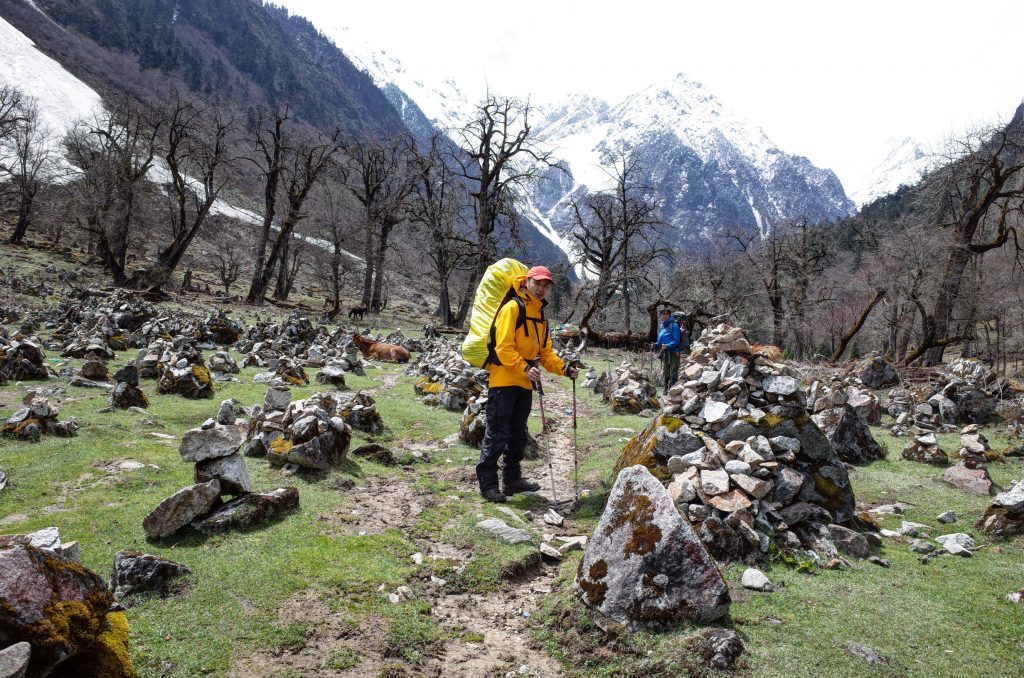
(905, 165)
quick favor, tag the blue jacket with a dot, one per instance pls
(669, 336)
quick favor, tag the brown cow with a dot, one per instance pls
(375, 350)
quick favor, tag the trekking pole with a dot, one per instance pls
(575, 448)
(547, 443)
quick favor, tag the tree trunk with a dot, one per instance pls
(848, 337)
(24, 218)
(778, 319)
(368, 256)
(281, 288)
(945, 301)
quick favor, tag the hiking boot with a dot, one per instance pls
(521, 485)
(494, 495)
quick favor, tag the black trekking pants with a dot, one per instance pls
(670, 368)
(508, 409)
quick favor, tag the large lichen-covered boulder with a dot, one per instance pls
(55, 604)
(190, 381)
(108, 656)
(849, 435)
(644, 566)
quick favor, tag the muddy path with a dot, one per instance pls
(485, 634)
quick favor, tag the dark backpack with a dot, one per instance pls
(521, 318)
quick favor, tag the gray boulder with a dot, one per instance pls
(136, 572)
(210, 443)
(877, 373)
(14, 660)
(181, 508)
(249, 510)
(644, 566)
(849, 435)
(231, 471)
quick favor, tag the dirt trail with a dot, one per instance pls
(488, 633)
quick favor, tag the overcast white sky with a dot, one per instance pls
(835, 82)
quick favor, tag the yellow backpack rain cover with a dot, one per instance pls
(495, 284)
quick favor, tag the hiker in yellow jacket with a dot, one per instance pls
(521, 343)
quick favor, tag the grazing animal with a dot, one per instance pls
(375, 350)
(356, 312)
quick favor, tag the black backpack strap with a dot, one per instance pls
(492, 340)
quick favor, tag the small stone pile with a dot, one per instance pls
(1004, 516)
(126, 393)
(821, 397)
(283, 371)
(630, 391)
(222, 329)
(39, 417)
(411, 344)
(95, 347)
(220, 470)
(359, 410)
(185, 373)
(331, 375)
(92, 374)
(971, 471)
(222, 364)
(308, 433)
(22, 360)
(149, 359)
(745, 462)
(924, 448)
(448, 380)
(60, 612)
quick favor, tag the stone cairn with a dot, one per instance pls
(743, 459)
(629, 391)
(924, 448)
(220, 470)
(221, 364)
(1004, 516)
(41, 580)
(971, 471)
(126, 393)
(185, 373)
(308, 433)
(447, 380)
(843, 413)
(92, 374)
(22, 360)
(359, 410)
(37, 418)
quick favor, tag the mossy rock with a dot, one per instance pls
(640, 448)
(108, 656)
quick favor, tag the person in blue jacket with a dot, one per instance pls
(668, 347)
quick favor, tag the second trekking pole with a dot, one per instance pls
(547, 444)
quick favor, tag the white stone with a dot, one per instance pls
(714, 482)
(755, 580)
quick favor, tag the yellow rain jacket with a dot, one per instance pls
(514, 346)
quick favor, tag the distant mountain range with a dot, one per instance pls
(709, 167)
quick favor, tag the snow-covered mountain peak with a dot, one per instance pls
(907, 161)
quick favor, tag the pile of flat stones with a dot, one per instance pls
(308, 433)
(924, 447)
(95, 347)
(447, 380)
(1004, 516)
(222, 329)
(184, 372)
(821, 397)
(359, 410)
(220, 471)
(22, 359)
(221, 365)
(744, 461)
(630, 391)
(38, 418)
(92, 374)
(970, 472)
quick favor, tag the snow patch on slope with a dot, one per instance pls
(905, 165)
(63, 98)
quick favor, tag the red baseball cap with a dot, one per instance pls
(540, 273)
